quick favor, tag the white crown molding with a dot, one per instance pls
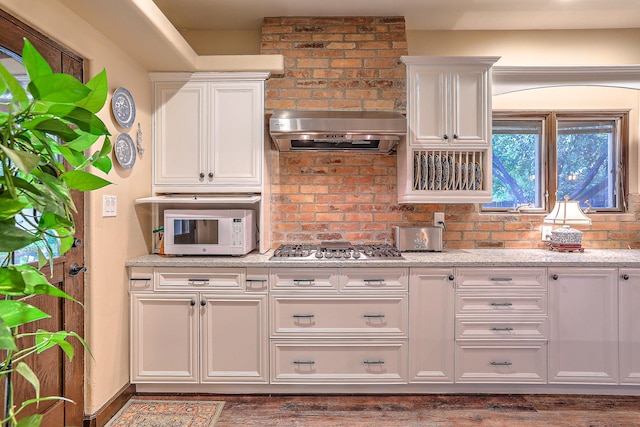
(508, 79)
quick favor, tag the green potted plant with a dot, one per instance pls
(45, 131)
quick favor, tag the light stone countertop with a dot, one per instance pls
(448, 258)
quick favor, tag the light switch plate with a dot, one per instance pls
(109, 205)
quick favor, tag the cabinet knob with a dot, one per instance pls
(210, 175)
(451, 277)
(445, 136)
(554, 277)
(203, 302)
(455, 136)
(625, 277)
(201, 175)
(192, 302)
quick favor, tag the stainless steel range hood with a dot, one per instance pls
(360, 131)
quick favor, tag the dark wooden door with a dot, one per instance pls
(58, 376)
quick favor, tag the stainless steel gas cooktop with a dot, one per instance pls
(336, 250)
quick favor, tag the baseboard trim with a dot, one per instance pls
(104, 414)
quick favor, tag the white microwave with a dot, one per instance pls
(209, 232)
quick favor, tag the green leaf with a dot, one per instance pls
(58, 188)
(31, 421)
(58, 87)
(84, 119)
(83, 181)
(25, 161)
(75, 158)
(25, 371)
(103, 164)
(46, 340)
(9, 207)
(98, 96)
(83, 142)
(14, 238)
(33, 62)
(52, 126)
(18, 94)
(36, 283)
(16, 313)
(11, 281)
(7, 341)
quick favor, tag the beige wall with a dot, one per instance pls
(109, 242)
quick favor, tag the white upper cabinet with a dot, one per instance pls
(447, 153)
(208, 132)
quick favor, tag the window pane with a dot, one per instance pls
(517, 160)
(586, 156)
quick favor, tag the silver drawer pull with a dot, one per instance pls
(501, 363)
(374, 282)
(303, 316)
(373, 362)
(501, 304)
(198, 282)
(142, 279)
(256, 280)
(507, 329)
(304, 282)
(304, 362)
(501, 279)
(373, 316)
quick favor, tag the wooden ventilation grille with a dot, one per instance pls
(441, 170)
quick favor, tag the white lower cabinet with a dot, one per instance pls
(583, 311)
(431, 326)
(338, 326)
(198, 336)
(501, 325)
(418, 329)
(629, 325)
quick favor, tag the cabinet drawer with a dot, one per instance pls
(500, 363)
(374, 279)
(512, 304)
(338, 362)
(304, 279)
(227, 279)
(382, 315)
(502, 329)
(501, 278)
(141, 278)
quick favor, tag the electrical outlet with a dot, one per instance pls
(438, 219)
(109, 205)
(546, 233)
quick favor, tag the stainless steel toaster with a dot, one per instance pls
(418, 239)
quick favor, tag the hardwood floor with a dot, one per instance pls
(424, 410)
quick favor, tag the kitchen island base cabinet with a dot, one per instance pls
(583, 320)
(431, 327)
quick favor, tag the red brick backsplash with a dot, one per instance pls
(352, 63)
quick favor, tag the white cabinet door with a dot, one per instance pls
(164, 338)
(431, 326)
(180, 124)
(234, 339)
(208, 132)
(236, 133)
(428, 104)
(468, 112)
(629, 326)
(583, 320)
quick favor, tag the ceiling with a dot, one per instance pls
(153, 31)
(419, 14)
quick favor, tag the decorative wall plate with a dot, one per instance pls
(125, 151)
(123, 107)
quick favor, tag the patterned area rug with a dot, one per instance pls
(167, 413)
